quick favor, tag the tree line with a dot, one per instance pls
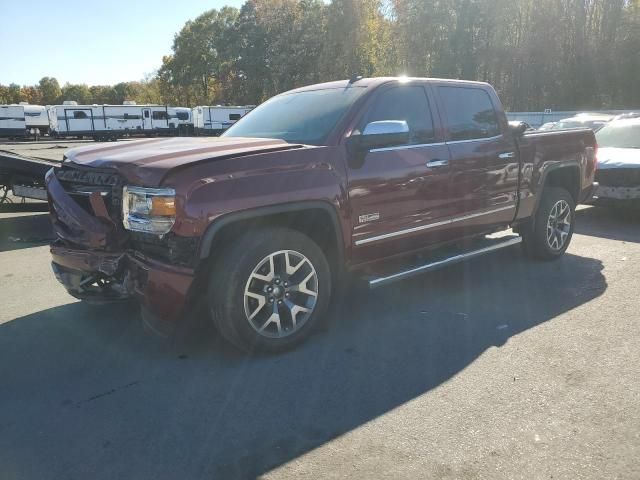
(559, 54)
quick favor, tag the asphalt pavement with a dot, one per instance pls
(500, 368)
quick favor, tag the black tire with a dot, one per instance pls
(536, 234)
(230, 276)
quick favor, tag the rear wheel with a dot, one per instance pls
(269, 290)
(548, 235)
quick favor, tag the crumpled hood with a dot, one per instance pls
(610, 157)
(147, 162)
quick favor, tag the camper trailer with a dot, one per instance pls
(12, 122)
(183, 120)
(215, 120)
(35, 117)
(110, 122)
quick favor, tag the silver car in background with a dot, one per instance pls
(618, 173)
(586, 120)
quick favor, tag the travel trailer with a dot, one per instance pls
(12, 121)
(36, 117)
(215, 120)
(183, 119)
(110, 122)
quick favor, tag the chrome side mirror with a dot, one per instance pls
(518, 128)
(386, 127)
(386, 133)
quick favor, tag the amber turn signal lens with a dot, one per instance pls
(163, 206)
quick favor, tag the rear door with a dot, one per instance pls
(398, 193)
(484, 159)
(79, 119)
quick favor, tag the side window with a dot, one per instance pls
(234, 116)
(131, 116)
(159, 115)
(182, 115)
(470, 113)
(408, 103)
(79, 114)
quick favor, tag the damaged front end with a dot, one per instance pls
(96, 277)
(96, 259)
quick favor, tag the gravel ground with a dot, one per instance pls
(501, 368)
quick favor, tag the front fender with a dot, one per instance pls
(215, 193)
(217, 225)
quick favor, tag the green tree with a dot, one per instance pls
(49, 90)
(199, 52)
(101, 94)
(76, 92)
(357, 39)
(14, 93)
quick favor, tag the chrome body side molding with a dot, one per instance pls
(448, 221)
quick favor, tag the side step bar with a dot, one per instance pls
(434, 265)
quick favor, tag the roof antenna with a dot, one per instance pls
(354, 78)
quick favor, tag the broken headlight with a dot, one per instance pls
(151, 210)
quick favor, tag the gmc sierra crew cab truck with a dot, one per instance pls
(379, 178)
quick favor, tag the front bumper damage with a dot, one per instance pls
(91, 258)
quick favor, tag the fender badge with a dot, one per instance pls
(369, 217)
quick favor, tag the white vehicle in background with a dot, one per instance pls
(12, 121)
(213, 120)
(183, 117)
(618, 173)
(36, 119)
(110, 122)
(594, 121)
(547, 126)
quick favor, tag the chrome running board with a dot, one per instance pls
(443, 262)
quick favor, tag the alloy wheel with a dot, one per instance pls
(281, 294)
(559, 225)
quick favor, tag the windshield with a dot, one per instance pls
(303, 117)
(620, 135)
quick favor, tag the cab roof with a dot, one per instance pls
(377, 81)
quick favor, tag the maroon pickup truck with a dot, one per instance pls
(381, 178)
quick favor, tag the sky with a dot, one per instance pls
(97, 43)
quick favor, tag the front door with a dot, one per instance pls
(399, 194)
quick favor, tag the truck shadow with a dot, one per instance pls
(82, 382)
(613, 223)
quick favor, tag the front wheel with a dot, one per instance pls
(548, 235)
(269, 290)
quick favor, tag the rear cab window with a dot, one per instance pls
(408, 103)
(470, 114)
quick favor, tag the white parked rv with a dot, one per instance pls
(109, 122)
(183, 119)
(12, 121)
(215, 120)
(36, 117)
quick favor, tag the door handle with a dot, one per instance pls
(437, 163)
(507, 155)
